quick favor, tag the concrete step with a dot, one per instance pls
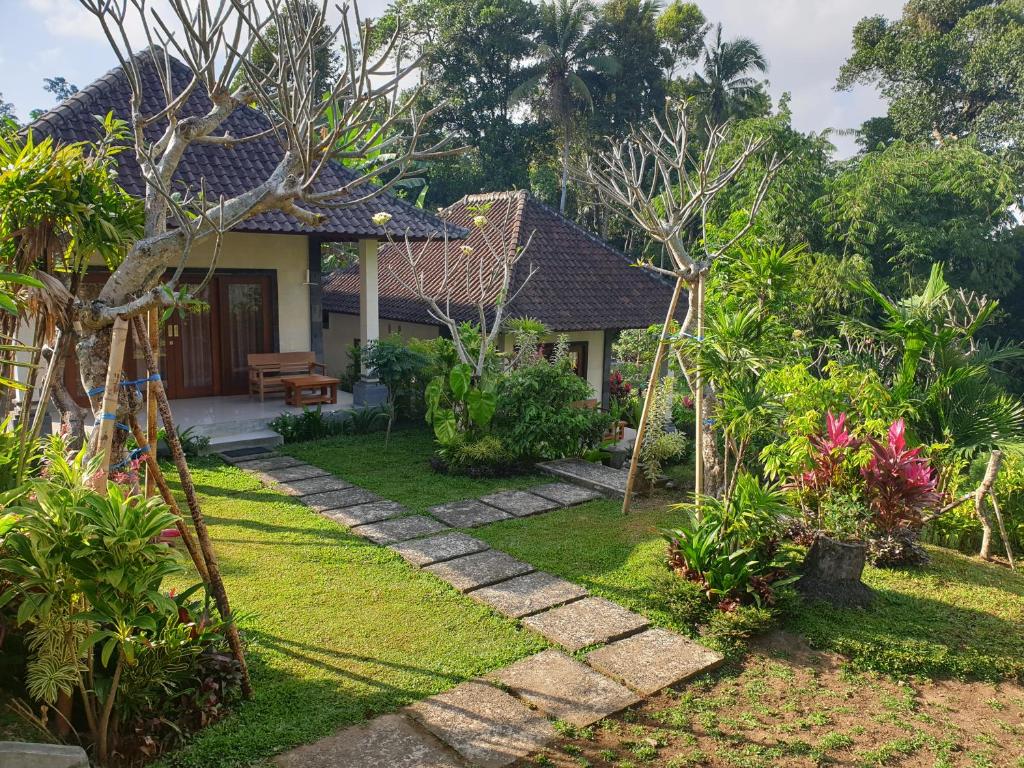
(263, 438)
(605, 480)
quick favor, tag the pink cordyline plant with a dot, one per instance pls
(828, 453)
(899, 483)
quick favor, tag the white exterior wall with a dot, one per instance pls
(344, 330)
(286, 254)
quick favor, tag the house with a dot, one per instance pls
(265, 295)
(581, 286)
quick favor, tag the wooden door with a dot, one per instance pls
(246, 327)
(189, 352)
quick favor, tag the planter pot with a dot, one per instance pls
(832, 572)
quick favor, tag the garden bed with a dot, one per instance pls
(788, 706)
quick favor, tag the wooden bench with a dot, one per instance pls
(268, 369)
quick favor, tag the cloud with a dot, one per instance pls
(67, 18)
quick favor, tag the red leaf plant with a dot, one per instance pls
(898, 482)
(828, 452)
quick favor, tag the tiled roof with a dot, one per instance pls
(580, 283)
(225, 170)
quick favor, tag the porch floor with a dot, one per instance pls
(219, 417)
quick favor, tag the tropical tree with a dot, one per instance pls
(563, 52)
(726, 85)
(947, 69)
(930, 353)
(681, 27)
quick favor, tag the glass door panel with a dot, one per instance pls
(246, 326)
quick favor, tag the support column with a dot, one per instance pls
(314, 282)
(368, 391)
(610, 337)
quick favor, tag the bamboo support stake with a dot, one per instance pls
(153, 471)
(698, 405)
(151, 416)
(1002, 531)
(111, 390)
(220, 594)
(641, 428)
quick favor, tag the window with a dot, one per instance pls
(577, 354)
(326, 320)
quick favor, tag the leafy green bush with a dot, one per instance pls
(314, 424)
(484, 456)
(402, 369)
(731, 547)
(84, 573)
(536, 418)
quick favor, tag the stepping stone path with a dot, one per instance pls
(586, 622)
(477, 723)
(468, 514)
(564, 688)
(529, 594)
(598, 477)
(565, 494)
(520, 503)
(361, 514)
(399, 529)
(389, 741)
(486, 726)
(437, 549)
(653, 660)
(479, 570)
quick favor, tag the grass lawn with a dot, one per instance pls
(338, 629)
(401, 472)
(956, 617)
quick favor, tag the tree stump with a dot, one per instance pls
(832, 573)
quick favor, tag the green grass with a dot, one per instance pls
(956, 617)
(338, 629)
(402, 471)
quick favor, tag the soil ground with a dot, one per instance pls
(788, 706)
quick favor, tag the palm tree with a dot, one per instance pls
(726, 85)
(563, 53)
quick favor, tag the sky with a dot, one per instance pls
(805, 42)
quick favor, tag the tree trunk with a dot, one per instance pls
(832, 573)
(995, 461)
(565, 170)
(714, 473)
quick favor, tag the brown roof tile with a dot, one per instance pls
(225, 170)
(580, 283)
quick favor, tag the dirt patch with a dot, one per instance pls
(789, 705)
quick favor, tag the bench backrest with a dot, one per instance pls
(290, 360)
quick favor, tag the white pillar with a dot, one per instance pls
(369, 296)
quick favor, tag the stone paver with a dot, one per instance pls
(486, 726)
(399, 529)
(520, 503)
(532, 593)
(437, 549)
(348, 497)
(388, 741)
(566, 494)
(564, 688)
(298, 472)
(653, 660)
(586, 622)
(361, 514)
(610, 482)
(274, 462)
(313, 485)
(468, 514)
(479, 570)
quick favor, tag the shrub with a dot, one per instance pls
(660, 446)
(536, 418)
(84, 571)
(314, 424)
(484, 457)
(899, 483)
(402, 369)
(732, 547)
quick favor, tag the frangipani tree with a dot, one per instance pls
(667, 187)
(360, 120)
